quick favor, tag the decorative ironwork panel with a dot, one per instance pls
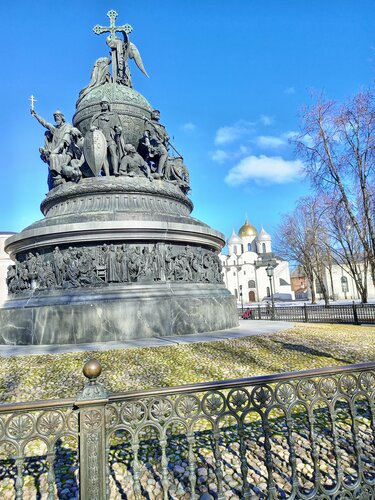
(39, 453)
(299, 435)
(273, 437)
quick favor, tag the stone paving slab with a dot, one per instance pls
(245, 329)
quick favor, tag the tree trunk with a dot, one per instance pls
(331, 279)
(324, 292)
(312, 288)
(320, 278)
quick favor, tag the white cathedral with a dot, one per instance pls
(253, 270)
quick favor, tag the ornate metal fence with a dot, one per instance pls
(295, 435)
(39, 449)
(350, 313)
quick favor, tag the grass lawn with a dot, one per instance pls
(304, 346)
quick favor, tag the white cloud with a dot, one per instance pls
(221, 156)
(266, 120)
(291, 134)
(275, 141)
(226, 135)
(270, 141)
(307, 140)
(244, 150)
(290, 90)
(269, 169)
(188, 127)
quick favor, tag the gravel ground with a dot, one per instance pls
(305, 346)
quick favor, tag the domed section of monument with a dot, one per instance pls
(247, 230)
(127, 103)
(114, 93)
(117, 254)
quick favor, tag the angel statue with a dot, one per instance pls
(122, 50)
(99, 75)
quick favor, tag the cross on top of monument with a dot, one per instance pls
(112, 28)
(122, 50)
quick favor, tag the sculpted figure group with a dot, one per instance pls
(103, 151)
(99, 266)
(62, 150)
(70, 156)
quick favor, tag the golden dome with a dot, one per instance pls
(247, 230)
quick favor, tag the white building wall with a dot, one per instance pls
(248, 244)
(240, 270)
(264, 246)
(5, 261)
(352, 293)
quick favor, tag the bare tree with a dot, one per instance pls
(345, 247)
(337, 145)
(300, 238)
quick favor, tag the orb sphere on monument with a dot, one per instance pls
(129, 104)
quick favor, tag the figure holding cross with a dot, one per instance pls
(32, 102)
(122, 50)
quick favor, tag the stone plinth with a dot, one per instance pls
(116, 313)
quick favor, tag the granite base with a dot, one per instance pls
(116, 314)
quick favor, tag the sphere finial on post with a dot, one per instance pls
(93, 389)
(92, 369)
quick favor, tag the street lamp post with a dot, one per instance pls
(241, 297)
(239, 287)
(269, 271)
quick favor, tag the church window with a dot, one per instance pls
(268, 292)
(263, 247)
(251, 284)
(235, 249)
(344, 284)
(249, 247)
(234, 274)
(244, 273)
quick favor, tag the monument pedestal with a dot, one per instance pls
(119, 313)
(134, 264)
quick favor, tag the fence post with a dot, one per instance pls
(305, 312)
(91, 403)
(355, 314)
(259, 314)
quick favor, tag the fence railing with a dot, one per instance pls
(346, 313)
(293, 435)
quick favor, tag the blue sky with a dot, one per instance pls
(230, 79)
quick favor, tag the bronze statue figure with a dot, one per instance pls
(156, 141)
(109, 123)
(56, 145)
